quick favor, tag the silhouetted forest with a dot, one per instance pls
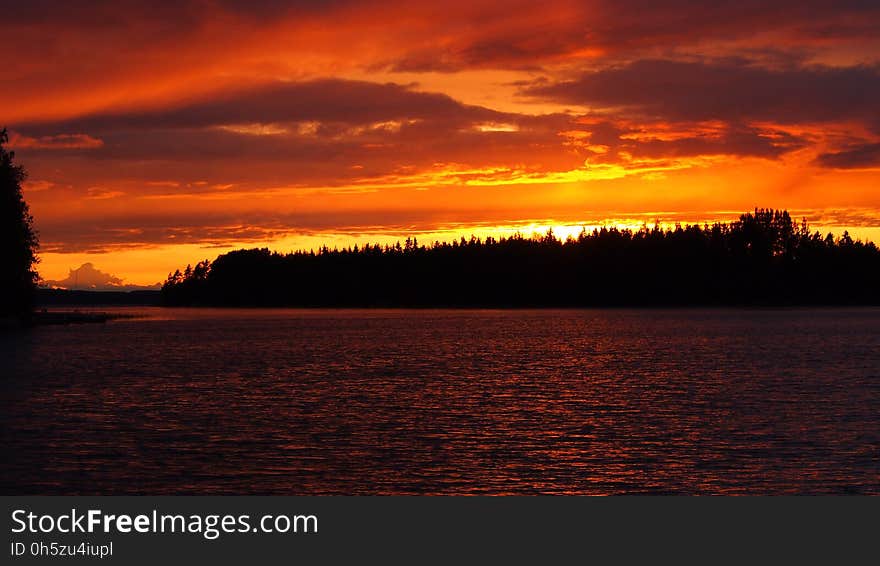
(763, 258)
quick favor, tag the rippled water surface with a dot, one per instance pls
(381, 402)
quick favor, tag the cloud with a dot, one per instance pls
(734, 90)
(609, 141)
(102, 12)
(88, 277)
(312, 133)
(219, 228)
(864, 156)
(532, 35)
(330, 101)
(756, 110)
(60, 141)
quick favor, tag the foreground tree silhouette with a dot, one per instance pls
(18, 241)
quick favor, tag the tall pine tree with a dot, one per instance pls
(18, 241)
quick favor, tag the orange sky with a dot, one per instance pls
(160, 134)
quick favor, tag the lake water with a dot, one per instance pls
(445, 402)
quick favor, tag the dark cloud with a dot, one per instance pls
(317, 132)
(100, 13)
(60, 142)
(88, 236)
(531, 34)
(740, 141)
(607, 141)
(516, 34)
(647, 20)
(863, 156)
(329, 100)
(521, 49)
(730, 90)
(91, 235)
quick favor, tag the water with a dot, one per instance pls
(445, 402)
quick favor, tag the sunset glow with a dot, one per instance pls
(161, 135)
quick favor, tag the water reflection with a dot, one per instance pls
(316, 402)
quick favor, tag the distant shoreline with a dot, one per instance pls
(67, 297)
(48, 318)
(72, 299)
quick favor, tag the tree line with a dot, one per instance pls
(764, 258)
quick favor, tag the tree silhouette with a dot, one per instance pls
(762, 258)
(18, 241)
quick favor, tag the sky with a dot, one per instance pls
(161, 134)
